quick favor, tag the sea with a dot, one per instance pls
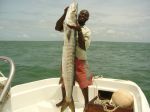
(36, 60)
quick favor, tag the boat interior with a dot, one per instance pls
(42, 96)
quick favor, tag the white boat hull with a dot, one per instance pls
(41, 96)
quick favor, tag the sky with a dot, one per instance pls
(110, 20)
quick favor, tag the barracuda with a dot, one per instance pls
(68, 56)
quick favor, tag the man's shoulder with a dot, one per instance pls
(86, 30)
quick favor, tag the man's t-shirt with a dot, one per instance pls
(80, 53)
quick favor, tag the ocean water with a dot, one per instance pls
(40, 60)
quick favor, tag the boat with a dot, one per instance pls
(42, 95)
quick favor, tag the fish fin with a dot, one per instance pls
(68, 35)
(64, 106)
(68, 104)
(72, 106)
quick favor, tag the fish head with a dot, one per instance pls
(71, 17)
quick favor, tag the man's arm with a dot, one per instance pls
(59, 23)
(81, 40)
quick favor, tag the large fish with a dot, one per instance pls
(68, 56)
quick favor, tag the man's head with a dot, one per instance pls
(83, 17)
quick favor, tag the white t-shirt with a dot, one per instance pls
(80, 53)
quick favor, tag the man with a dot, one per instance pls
(83, 42)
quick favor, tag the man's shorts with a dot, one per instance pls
(82, 75)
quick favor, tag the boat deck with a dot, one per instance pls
(48, 106)
(42, 95)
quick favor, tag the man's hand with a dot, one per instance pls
(66, 9)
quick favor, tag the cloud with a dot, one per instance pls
(1, 27)
(109, 20)
(25, 35)
(111, 32)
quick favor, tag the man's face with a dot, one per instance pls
(83, 17)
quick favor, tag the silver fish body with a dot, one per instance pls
(68, 56)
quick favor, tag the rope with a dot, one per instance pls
(94, 82)
(106, 104)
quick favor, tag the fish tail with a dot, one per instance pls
(68, 104)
